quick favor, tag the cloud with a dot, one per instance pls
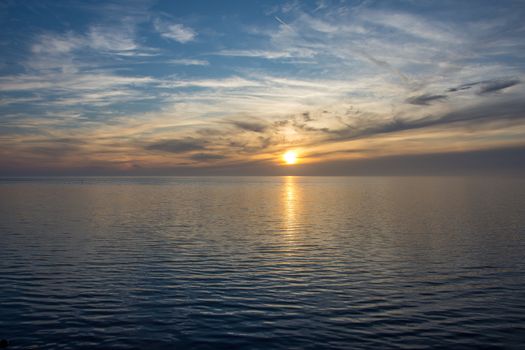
(68, 82)
(18, 100)
(487, 86)
(53, 151)
(416, 26)
(57, 44)
(268, 54)
(497, 85)
(100, 98)
(255, 126)
(425, 99)
(120, 39)
(205, 157)
(189, 62)
(463, 87)
(507, 160)
(228, 83)
(385, 64)
(178, 145)
(99, 38)
(500, 111)
(175, 31)
(54, 148)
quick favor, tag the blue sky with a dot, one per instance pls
(164, 86)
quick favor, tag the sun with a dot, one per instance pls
(290, 157)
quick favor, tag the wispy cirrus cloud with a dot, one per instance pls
(230, 82)
(189, 62)
(415, 26)
(98, 38)
(255, 53)
(175, 31)
(68, 82)
(121, 39)
(52, 43)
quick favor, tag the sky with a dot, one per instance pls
(226, 87)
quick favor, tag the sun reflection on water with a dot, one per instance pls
(290, 205)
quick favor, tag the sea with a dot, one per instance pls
(262, 262)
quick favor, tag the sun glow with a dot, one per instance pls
(290, 157)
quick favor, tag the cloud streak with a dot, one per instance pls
(425, 99)
(501, 111)
(189, 62)
(254, 126)
(178, 146)
(487, 86)
(206, 157)
(497, 85)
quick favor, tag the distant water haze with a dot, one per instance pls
(262, 262)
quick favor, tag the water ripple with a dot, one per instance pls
(258, 263)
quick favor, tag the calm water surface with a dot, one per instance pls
(262, 263)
